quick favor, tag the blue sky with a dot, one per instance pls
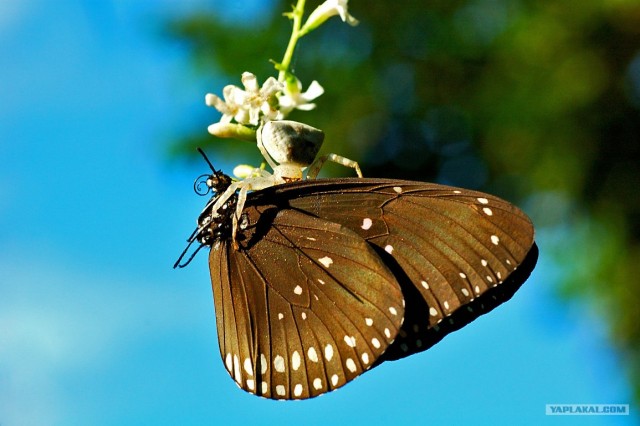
(95, 325)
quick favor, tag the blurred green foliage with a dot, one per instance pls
(534, 100)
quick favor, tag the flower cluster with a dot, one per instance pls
(273, 101)
(243, 110)
(246, 106)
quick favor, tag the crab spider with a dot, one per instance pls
(289, 148)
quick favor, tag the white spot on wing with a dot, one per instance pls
(237, 374)
(228, 362)
(446, 305)
(483, 201)
(350, 341)
(278, 364)
(326, 261)
(388, 248)
(297, 390)
(393, 310)
(298, 290)
(425, 284)
(487, 211)
(366, 223)
(433, 312)
(317, 383)
(280, 390)
(248, 367)
(251, 384)
(495, 240)
(375, 342)
(263, 364)
(313, 355)
(368, 321)
(350, 365)
(397, 189)
(365, 358)
(328, 352)
(387, 333)
(334, 379)
(295, 360)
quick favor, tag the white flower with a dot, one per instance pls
(261, 100)
(230, 107)
(250, 105)
(325, 11)
(293, 97)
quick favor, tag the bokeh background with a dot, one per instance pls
(102, 106)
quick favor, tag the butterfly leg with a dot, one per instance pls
(315, 167)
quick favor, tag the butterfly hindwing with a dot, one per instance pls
(303, 306)
(451, 249)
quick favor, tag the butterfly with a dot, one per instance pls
(318, 281)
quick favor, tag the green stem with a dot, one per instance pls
(296, 15)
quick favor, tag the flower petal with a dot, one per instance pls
(250, 82)
(313, 91)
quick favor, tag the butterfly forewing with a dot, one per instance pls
(303, 306)
(451, 249)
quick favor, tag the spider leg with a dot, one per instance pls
(263, 150)
(242, 198)
(314, 168)
(243, 187)
(219, 201)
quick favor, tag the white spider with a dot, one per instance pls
(289, 147)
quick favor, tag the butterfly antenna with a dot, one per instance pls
(200, 185)
(207, 160)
